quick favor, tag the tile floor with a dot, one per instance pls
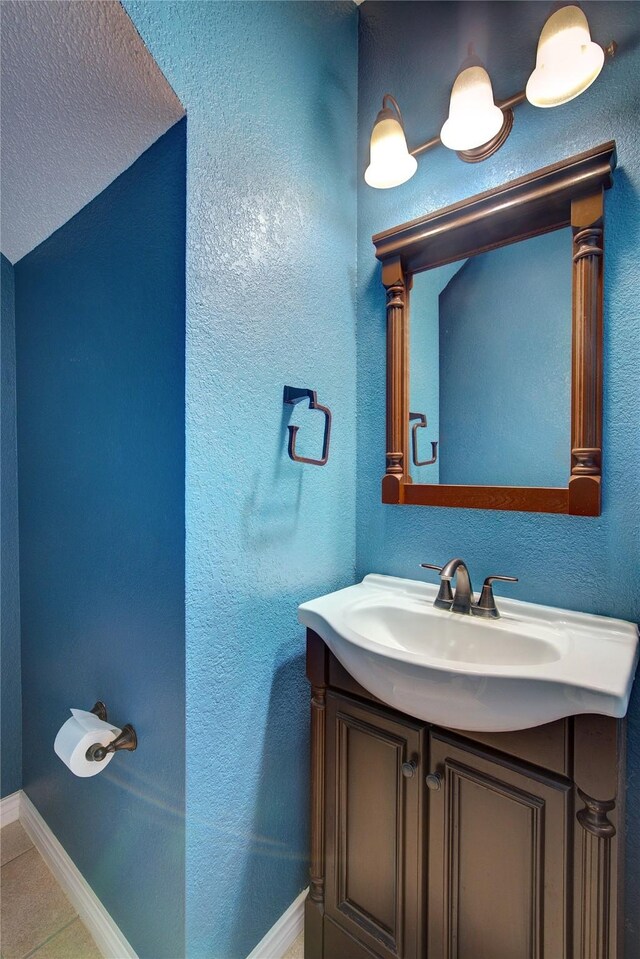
(296, 951)
(37, 919)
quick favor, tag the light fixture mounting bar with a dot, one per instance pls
(427, 145)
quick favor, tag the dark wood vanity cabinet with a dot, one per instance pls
(498, 852)
(434, 844)
(374, 817)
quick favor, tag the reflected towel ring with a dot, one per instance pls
(422, 422)
(293, 395)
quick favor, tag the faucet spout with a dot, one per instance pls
(463, 597)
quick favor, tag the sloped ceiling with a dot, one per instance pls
(82, 98)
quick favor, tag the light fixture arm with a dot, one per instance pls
(394, 103)
(504, 105)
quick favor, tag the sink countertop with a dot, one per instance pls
(534, 665)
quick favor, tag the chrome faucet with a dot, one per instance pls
(463, 600)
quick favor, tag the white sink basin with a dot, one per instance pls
(534, 665)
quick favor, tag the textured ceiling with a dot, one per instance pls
(82, 98)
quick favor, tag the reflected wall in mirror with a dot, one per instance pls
(490, 366)
(494, 384)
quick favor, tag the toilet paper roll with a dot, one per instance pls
(74, 738)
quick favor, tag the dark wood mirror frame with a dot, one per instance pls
(570, 193)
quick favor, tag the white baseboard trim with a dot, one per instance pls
(10, 808)
(283, 933)
(106, 935)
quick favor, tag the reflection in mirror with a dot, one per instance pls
(490, 366)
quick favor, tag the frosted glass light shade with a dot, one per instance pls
(474, 119)
(390, 162)
(567, 61)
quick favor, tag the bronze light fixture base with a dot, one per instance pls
(489, 148)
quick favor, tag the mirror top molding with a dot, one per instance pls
(566, 194)
(535, 203)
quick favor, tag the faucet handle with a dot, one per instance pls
(444, 599)
(486, 605)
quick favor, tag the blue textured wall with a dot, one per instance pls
(505, 366)
(100, 359)
(414, 50)
(424, 373)
(270, 93)
(11, 772)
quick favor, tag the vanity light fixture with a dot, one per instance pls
(474, 119)
(567, 63)
(390, 162)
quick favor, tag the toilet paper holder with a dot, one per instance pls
(126, 740)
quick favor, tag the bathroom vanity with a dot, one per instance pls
(430, 840)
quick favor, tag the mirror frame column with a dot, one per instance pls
(587, 222)
(397, 471)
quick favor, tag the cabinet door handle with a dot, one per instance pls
(434, 781)
(409, 770)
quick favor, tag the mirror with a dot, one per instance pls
(490, 367)
(494, 321)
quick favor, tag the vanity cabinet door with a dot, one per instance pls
(374, 832)
(499, 841)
